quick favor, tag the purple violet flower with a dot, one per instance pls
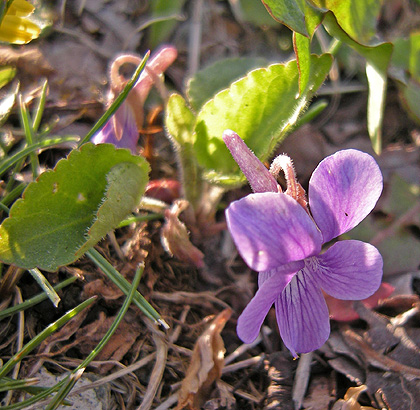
(123, 127)
(277, 235)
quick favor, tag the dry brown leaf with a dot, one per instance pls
(120, 343)
(29, 60)
(206, 365)
(98, 287)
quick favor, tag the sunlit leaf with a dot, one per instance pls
(126, 182)
(261, 108)
(207, 82)
(74, 205)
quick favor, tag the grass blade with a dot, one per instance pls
(77, 373)
(7, 384)
(47, 143)
(35, 300)
(29, 135)
(45, 286)
(39, 109)
(32, 344)
(13, 194)
(124, 285)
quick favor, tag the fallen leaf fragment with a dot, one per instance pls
(206, 365)
(343, 310)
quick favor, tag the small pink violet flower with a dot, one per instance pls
(123, 127)
(277, 235)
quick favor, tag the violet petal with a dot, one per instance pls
(258, 176)
(251, 319)
(271, 229)
(302, 314)
(126, 123)
(343, 190)
(350, 270)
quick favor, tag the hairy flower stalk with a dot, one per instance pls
(277, 236)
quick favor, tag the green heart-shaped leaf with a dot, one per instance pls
(214, 78)
(261, 108)
(69, 209)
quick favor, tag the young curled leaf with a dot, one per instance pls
(206, 366)
(175, 238)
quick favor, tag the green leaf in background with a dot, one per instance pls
(406, 69)
(206, 83)
(400, 198)
(261, 107)
(298, 15)
(410, 98)
(399, 247)
(160, 30)
(49, 224)
(253, 12)
(378, 55)
(358, 18)
(6, 75)
(353, 22)
(378, 58)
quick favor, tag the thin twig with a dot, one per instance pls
(20, 338)
(377, 359)
(195, 37)
(157, 372)
(243, 364)
(110, 378)
(301, 379)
